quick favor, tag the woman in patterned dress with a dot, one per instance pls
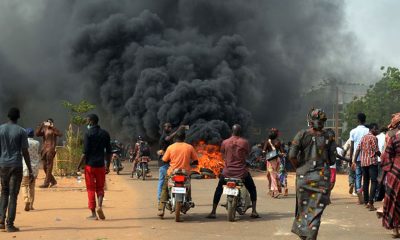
(273, 166)
(312, 152)
(391, 166)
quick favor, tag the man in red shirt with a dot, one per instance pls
(235, 151)
(368, 151)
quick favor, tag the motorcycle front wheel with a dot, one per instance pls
(231, 207)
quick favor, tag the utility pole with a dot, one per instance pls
(337, 114)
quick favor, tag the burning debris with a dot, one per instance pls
(210, 160)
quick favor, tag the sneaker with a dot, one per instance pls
(2, 226)
(354, 194)
(12, 229)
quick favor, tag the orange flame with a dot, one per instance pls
(210, 157)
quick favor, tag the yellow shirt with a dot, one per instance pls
(179, 154)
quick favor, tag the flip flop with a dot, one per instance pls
(100, 213)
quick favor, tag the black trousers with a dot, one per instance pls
(11, 178)
(248, 183)
(370, 174)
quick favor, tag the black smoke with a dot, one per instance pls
(205, 63)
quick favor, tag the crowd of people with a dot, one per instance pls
(373, 155)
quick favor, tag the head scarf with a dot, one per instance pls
(395, 120)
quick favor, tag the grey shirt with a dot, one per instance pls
(13, 139)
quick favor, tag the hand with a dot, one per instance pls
(353, 166)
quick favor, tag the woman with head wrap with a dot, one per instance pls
(312, 152)
(274, 145)
(390, 161)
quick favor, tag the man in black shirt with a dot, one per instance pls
(97, 148)
(166, 139)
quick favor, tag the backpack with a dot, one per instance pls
(144, 149)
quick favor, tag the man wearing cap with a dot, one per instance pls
(28, 186)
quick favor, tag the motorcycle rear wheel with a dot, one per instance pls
(231, 207)
(178, 207)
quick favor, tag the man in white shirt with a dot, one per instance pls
(28, 186)
(355, 136)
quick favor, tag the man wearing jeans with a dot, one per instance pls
(368, 152)
(96, 149)
(355, 137)
(13, 145)
(166, 139)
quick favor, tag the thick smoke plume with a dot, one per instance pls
(205, 63)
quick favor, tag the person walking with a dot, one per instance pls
(273, 144)
(28, 186)
(50, 133)
(312, 152)
(355, 137)
(13, 145)
(97, 157)
(368, 152)
(390, 161)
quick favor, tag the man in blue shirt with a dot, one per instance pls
(13, 145)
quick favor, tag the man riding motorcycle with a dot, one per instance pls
(141, 152)
(179, 155)
(235, 151)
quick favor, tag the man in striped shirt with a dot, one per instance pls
(368, 151)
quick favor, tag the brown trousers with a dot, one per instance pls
(48, 160)
(28, 189)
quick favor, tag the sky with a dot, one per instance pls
(376, 24)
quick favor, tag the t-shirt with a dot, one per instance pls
(381, 143)
(13, 139)
(95, 145)
(34, 156)
(235, 151)
(356, 134)
(179, 154)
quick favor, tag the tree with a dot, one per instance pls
(69, 157)
(379, 103)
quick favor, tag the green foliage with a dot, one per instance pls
(77, 111)
(69, 156)
(380, 102)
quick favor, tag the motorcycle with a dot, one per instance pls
(142, 168)
(179, 188)
(238, 198)
(116, 161)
